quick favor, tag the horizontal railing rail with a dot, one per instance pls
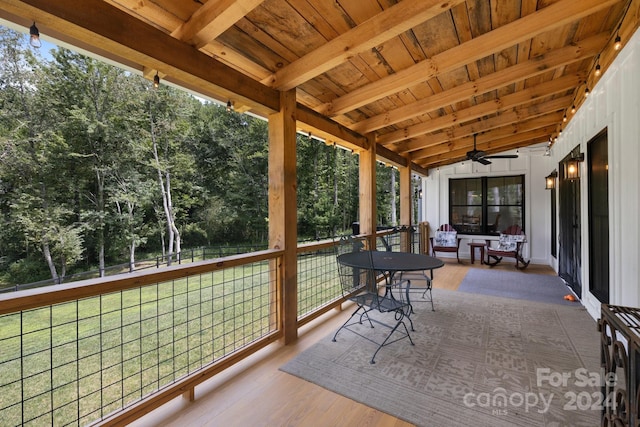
(81, 353)
(109, 350)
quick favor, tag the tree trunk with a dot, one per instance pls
(100, 208)
(47, 256)
(166, 199)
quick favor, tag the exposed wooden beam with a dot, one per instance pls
(466, 142)
(149, 12)
(392, 157)
(534, 93)
(493, 147)
(555, 15)
(328, 129)
(99, 24)
(212, 19)
(512, 116)
(376, 30)
(541, 64)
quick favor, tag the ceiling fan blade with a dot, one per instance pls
(482, 160)
(502, 156)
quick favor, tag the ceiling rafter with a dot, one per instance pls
(495, 106)
(541, 64)
(212, 19)
(422, 75)
(552, 16)
(514, 115)
(466, 142)
(381, 27)
(495, 146)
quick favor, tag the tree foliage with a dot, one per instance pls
(97, 167)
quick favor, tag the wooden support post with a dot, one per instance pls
(405, 206)
(367, 190)
(283, 209)
(190, 394)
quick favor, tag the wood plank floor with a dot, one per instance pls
(256, 393)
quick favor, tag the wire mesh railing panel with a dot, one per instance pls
(75, 363)
(317, 280)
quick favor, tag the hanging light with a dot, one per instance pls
(617, 44)
(550, 181)
(572, 166)
(586, 91)
(229, 106)
(564, 119)
(34, 36)
(573, 109)
(598, 70)
(156, 81)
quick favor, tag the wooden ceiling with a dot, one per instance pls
(420, 77)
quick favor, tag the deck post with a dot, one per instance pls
(405, 206)
(283, 210)
(367, 190)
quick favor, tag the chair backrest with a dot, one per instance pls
(446, 236)
(446, 227)
(511, 238)
(513, 230)
(354, 279)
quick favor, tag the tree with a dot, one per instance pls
(33, 180)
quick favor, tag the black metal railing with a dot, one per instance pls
(83, 352)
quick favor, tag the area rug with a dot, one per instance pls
(516, 284)
(477, 360)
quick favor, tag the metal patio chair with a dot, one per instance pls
(359, 283)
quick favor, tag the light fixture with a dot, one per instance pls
(617, 44)
(34, 36)
(572, 166)
(550, 180)
(598, 70)
(573, 109)
(586, 91)
(564, 119)
(229, 106)
(156, 81)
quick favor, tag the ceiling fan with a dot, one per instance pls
(480, 156)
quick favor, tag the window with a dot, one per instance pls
(486, 205)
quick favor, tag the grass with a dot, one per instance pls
(74, 363)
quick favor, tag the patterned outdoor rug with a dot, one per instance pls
(477, 360)
(516, 284)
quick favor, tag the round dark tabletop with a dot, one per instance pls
(390, 261)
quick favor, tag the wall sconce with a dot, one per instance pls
(572, 167)
(550, 181)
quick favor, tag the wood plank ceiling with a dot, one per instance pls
(423, 76)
